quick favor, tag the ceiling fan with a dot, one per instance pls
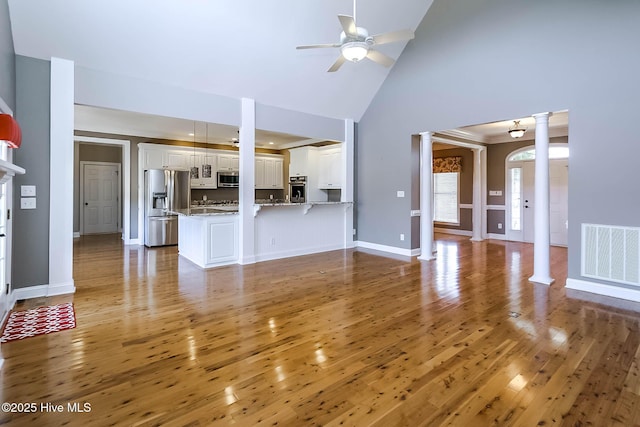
(356, 43)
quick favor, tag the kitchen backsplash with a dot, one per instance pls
(232, 194)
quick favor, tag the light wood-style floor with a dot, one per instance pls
(340, 338)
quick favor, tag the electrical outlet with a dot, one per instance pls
(400, 193)
(273, 241)
(401, 236)
(28, 203)
(354, 232)
(499, 226)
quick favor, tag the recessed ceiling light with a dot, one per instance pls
(270, 143)
(191, 134)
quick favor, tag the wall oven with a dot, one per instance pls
(228, 179)
(298, 189)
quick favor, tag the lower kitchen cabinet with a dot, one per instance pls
(209, 240)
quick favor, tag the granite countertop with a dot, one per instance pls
(279, 203)
(207, 210)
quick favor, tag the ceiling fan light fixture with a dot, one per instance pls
(354, 51)
(517, 131)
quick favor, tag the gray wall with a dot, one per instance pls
(7, 58)
(30, 258)
(574, 55)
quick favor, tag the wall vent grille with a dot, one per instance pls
(611, 253)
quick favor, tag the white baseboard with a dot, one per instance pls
(495, 236)
(385, 248)
(602, 289)
(132, 241)
(42, 291)
(453, 231)
(76, 234)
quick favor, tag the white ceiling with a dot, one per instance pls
(235, 48)
(498, 132)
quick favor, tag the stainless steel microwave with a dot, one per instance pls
(228, 179)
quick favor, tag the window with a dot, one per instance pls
(555, 152)
(445, 197)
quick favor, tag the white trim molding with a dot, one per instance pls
(389, 249)
(42, 291)
(602, 289)
(496, 207)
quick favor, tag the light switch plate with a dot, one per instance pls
(495, 192)
(28, 203)
(400, 193)
(28, 190)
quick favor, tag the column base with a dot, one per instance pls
(542, 280)
(476, 239)
(426, 257)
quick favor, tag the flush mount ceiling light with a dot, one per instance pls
(354, 51)
(517, 131)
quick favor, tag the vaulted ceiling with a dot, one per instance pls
(235, 48)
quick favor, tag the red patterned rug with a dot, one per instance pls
(38, 321)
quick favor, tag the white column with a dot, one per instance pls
(347, 176)
(426, 196)
(61, 178)
(542, 236)
(246, 191)
(477, 195)
(483, 191)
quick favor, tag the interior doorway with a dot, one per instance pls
(100, 198)
(521, 195)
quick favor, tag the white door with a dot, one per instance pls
(100, 198)
(521, 196)
(558, 201)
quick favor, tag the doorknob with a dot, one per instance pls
(86, 203)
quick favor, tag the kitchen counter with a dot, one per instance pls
(207, 210)
(306, 206)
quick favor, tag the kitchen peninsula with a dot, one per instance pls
(209, 236)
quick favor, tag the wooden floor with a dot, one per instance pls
(340, 338)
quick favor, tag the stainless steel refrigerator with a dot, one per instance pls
(164, 190)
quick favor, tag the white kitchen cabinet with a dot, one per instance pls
(209, 240)
(204, 160)
(177, 158)
(160, 158)
(228, 162)
(302, 161)
(330, 168)
(269, 173)
(152, 159)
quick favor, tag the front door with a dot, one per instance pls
(521, 197)
(100, 198)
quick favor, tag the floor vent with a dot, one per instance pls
(611, 253)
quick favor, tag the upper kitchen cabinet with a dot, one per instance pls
(269, 172)
(158, 157)
(329, 167)
(303, 161)
(228, 162)
(207, 166)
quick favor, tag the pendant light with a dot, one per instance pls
(517, 131)
(194, 172)
(206, 166)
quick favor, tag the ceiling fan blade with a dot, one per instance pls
(348, 25)
(380, 58)
(336, 65)
(393, 36)
(315, 46)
